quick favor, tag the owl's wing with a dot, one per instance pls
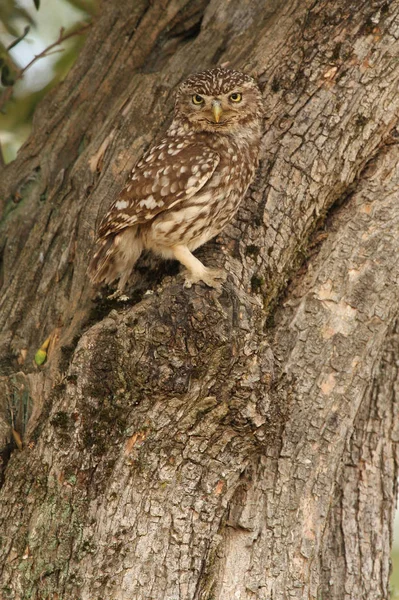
(172, 172)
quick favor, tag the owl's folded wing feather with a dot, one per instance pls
(172, 172)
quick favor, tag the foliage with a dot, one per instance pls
(17, 102)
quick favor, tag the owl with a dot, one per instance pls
(186, 189)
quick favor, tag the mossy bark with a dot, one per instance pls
(191, 444)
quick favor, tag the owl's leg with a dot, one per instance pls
(196, 270)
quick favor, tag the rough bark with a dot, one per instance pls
(190, 443)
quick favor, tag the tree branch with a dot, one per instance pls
(6, 95)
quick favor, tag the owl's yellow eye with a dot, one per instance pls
(197, 99)
(236, 97)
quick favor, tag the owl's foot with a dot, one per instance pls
(211, 277)
(196, 271)
(116, 295)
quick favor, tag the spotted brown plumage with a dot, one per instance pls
(187, 188)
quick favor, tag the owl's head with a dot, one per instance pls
(219, 100)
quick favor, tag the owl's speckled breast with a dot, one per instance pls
(204, 215)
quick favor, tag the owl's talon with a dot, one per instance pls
(118, 295)
(115, 295)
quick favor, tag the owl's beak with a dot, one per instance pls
(217, 110)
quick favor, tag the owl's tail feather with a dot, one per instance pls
(115, 257)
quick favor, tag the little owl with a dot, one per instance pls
(188, 187)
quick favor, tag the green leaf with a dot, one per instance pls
(37, 4)
(6, 78)
(21, 37)
(6, 59)
(40, 357)
(41, 354)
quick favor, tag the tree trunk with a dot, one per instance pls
(191, 444)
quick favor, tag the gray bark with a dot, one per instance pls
(190, 443)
